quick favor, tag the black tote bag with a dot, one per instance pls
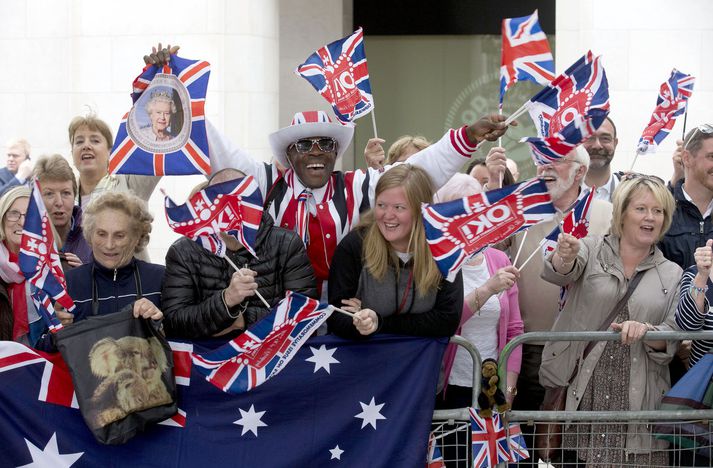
(122, 370)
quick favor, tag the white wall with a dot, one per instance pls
(641, 41)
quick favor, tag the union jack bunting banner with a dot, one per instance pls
(261, 352)
(526, 54)
(164, 133)
(39, 260)
(435, 457)
(459, 229)
(569, 109)
(233, 207)
(516, 442)
(339, 73)
(489, 439)
(671, 102)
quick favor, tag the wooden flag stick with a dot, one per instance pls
(522, 243)
(685, 117)
(373, 121)
(351, 314)
(631, 169)
(257, 293)
(539, 246)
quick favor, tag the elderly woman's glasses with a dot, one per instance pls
(636, 175)
(14, 216)
(304, 145)
(705, 128)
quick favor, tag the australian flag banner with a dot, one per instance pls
(164, 132)
(339, 73)
(319, 411)
(459, 229)
(233, 207)
(40, 263)
(569, 109)
(671, 102)
(266, 348)
(526, 54)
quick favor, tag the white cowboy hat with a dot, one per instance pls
(309, 124)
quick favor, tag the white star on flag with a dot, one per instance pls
(322, 358)
(250, 420)
(50, 456)
(370, 413)
(336, 453)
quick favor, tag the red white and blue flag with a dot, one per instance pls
(183, 83)
(233, 207)
(435, 456)
(262, 351)
(526, 54)
(569, 109)
(459, 229)
(671, 102)
(516, 442)
(489, 439)
(338, 71)
(39, 261)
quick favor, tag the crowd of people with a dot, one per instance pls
(356, 240)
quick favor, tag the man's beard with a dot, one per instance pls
(603, 159)
(560, 185)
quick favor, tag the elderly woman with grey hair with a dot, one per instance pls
(117, 227)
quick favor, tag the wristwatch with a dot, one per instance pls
(511, 390)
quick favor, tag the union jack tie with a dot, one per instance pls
(303, 214)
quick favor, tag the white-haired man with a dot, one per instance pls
(18, 167)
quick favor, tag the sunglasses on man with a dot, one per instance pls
(305, 145)
(701, 129)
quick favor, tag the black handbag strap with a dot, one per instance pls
(633, 283)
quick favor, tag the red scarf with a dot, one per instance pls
(18, 300)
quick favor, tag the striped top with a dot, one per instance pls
(690, 319)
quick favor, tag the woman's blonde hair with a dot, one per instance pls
(6, 202)
(377, 252)
(627, 189)
(398, 147)
(127, 203)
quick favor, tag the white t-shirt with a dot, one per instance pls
(481, 329)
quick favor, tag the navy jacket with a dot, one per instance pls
(7, 180)
(688, 231)
(115, 288)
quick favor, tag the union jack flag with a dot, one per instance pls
(435, 457)
(233, 207)
(575, 223)
(516, 441)
(266, 348)
(671, 102)
(526, 54)
(185, 83)
(569, 109)
(489, 439)
(39, 261)
(339, 73)
(459, 229)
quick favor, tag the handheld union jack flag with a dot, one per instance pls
(526, 54)
(40, 263)
(516, 442)
(339, 73)
(164, 132)
(435, 457)
(233, 207)
(459, 229)
(489, 439)
(266, 348)
(671, 102)
(569, 109)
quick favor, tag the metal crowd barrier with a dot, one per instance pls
(609, 425)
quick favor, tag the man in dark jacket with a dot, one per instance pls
(202, 295)
(692, 225)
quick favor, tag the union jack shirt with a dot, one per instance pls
(334, 208)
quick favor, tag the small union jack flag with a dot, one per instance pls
(489, 439)
(569, 109)
(516, 441)
(459, 229)
(261, 352)
(435, 457)
(671, 102)
(526, 54)
(182, 84)
(575, 223)
(339, 73)
(233, 207)
(39, 261)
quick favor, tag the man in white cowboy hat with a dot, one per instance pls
(321, 204)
